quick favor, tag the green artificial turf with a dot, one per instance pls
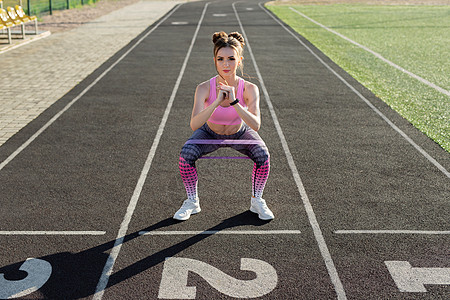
(416, 38)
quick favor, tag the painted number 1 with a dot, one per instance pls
(175, 276)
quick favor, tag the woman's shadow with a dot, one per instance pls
(244, 219)
(75, 275)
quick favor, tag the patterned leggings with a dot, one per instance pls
(191, 152)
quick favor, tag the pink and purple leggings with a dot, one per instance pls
(191, 152)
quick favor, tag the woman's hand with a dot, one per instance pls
(225, 94)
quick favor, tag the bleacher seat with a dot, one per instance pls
(24, 18)
(6, 23)
(15, 19)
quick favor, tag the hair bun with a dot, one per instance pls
(222, 37)
(237, 36)
(219, 36)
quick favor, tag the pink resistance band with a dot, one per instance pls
(225, 142)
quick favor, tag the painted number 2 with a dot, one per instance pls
(39, 272)
(175, 276)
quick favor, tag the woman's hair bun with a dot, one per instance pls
(237, 36)
(219, 36)
(223, 38)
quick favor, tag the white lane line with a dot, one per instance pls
(404, 135)
(226, 232)
(430, 84)
(107, 270)
(52, 232)
(424, 232)
(56, 117)
(307, 204)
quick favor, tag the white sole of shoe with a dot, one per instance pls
(253, 210)
(195, 211)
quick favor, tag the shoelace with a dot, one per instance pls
(187, 202)
(262, 203)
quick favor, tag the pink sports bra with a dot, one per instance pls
(225, 115)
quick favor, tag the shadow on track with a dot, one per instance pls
(75, 276)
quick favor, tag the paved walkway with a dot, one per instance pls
(37, 74)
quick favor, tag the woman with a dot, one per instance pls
(225, 107)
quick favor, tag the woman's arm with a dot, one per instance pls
(251, 116)
(200, 114)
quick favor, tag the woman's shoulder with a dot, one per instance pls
(250, 87)
(202, 89)
(204, 85)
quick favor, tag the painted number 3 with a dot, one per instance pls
(175, 276)
(39, 272)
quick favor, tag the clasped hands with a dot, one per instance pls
(225, 93)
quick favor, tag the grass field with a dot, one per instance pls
(415, 37)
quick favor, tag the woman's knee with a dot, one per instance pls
(261, 155)
(189, 153)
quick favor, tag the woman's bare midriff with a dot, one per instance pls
(224, 129)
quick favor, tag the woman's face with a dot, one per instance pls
(227, 61)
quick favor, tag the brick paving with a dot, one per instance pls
(37, 74)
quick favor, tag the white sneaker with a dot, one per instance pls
(189, 207)
(259, 207)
